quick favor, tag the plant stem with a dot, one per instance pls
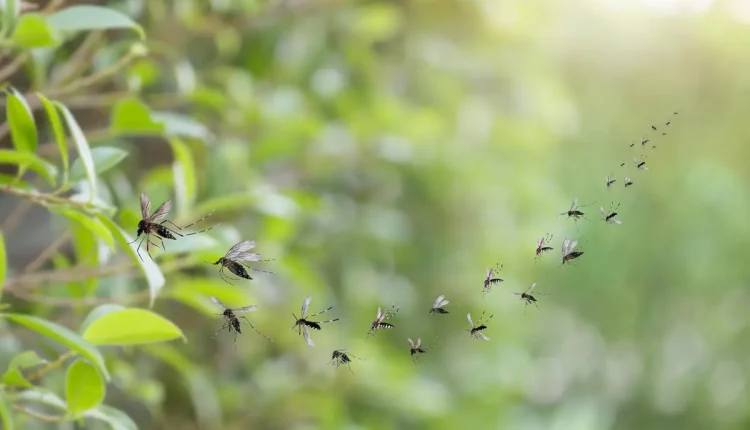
(49, 199)
(38, 415)
(47, 253)
(52, 365)
(93, 79)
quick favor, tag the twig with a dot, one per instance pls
(80, 60)
(11, 68)
(38, 415)
(47, 253)
(49, 199)
(93, 79)
(80, 301)
(51, 365)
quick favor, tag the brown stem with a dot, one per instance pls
(51, 366)
(80, 60)
(38, 415)
(49, 199)
(93, 79)
(48, 253)
(14, 65)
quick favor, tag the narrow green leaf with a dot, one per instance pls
(84, 17)
(6, 417)
(131, 326)
(22, 127)
(84, 152)
(3, 263)
(59, 132)
(84, 387)
(116, 418)
(63, 335)
(153, 274)
(32, 31)
(131, 115)
(93, 225)
(11, 10)
(44, 168)
(99, 312)
(183, 171)
(14, 375)
(14, 183)
(105, 158)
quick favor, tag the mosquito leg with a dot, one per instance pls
(256, 330)
(193, 223)
(219, 330)
(138, 250)
(321, 312)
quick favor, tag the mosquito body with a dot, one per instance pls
(415, 349)
(628, 182)
(437, 307)
(644, 141)
(610, 181)
(640, 164)
(476, 329)
(609, 216)
(668, 123)
(574, 211)
(542, 245)
(149, 225)
(302, 324)
(236, 259)
(490, 278)
(380, 320)
(340, 357)
(632, 144)
(653, 127)
(528, 297)
(568, 252)
(232, 321)
(622, 164)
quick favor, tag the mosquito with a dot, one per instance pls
(382, 316)
(610, 181)
(416, 349)
(476, 329)
(150, 225)
(632, 144)
(574, 211)
(437, 307)
(528, 298)
(653, 127)
(622, 164)
(340, 357)
(668, 123)
(235, 260)
(490, 280)
(628, 182)
(232, 322)
(675, 113)
(644, 141)
(640, 164)
(302, 323)
(541, 245)
(567, 250)
(609, 216)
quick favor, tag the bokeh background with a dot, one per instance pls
(390, 151)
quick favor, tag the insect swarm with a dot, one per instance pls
(380, 320)
(489, 278)
(235, 260)
(437, 307)
(528, 298)
(476, 330)
(609, 216)
(232, 321)
(541, 245)
(302, 323)
(568, 252)
(150, 225)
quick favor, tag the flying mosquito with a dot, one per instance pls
(640, 164)
(528, 298)
(476, 329)
(610, 181)
(236, 259)
(644, 141)
(437, 307)
(628, 182)
(609, 216)
(632, 144)
(668, 123)
(382, 316)
(150, 225)
(653, 127)
(574, 211)
(302, 323)
(416, 349)
(622, 164)
(232, 322)
(567, 250)
(541, 245)
(675, 113)
(340, 357)
(490, 280)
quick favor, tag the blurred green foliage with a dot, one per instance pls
(379, 152)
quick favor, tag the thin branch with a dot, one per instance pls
(38, 415)
(94, 79)
(48, 253)
(49, 199)
(52, 365)
(80, 60)
(11, 68)
(81, 301)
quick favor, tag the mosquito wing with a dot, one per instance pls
(528, 290)
(419, 342)
(161, 212)
(145, 206)
(242, 247)
(438, 301)
(468, 318)
(308, 338)
(443, 303)
(603, 211)
(249, 256)
(380, 316)
(245, 309)
(218, 302)
(566, 246)
(411, 343)
(482, 336)
(575, 203)
(617, 221)
(573, 245)
(305, 305)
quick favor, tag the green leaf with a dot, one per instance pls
(14, 375)
(44, 168)
(99, 312)
(84, 387)
(93, 225)
(84, 152)
(116, 418)
(63, 335)
(80, 18)
(153, 274)
(105, 158)
(181, 125)
(183, 171)
(6, 419)
(131, 115)
(32, 31)
(11, 10)
(131, 326)
(22, 127)
(3, 263)
(59, 132)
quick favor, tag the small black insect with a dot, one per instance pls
(663, 133)
(437, 307)
(628, 182)
(476, 329)
(568, 252)
(632, 144)
(542, 245)
(622, 164)
(340, 357)
(489, 278)
(574, 211)
(653, 127)
(644, 141)
(609, 216)
(416, 349)
(381, 317)
(668, 123)
(528, 298)
(150, 225)
(610, 181)
(640, 164)
(675, 113)
(235, 260)
(232, 321)
(302, 323)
